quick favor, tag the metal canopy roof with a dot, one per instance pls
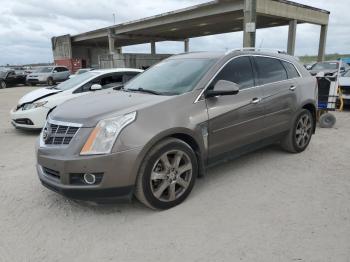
(210, 18)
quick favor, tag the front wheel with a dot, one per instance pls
(50, 81)
(3, 84)
(167, 174)
(299, 136)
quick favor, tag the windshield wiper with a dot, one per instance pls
(140, 89)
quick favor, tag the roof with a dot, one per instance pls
(214, 17)
(115, 70)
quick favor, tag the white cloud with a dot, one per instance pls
(27, 26)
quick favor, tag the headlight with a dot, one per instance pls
(34, 105)
(102, 138)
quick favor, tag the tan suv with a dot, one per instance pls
(155, 136)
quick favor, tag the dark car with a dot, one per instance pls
(10, 78)
(329, 68)
(167, 125)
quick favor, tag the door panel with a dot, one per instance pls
(279, 97)
(234, 121)
(279, 101)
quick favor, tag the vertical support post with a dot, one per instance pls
(153, 47)
(292, 36)
(186, 45)
(111, 42)
(249, 23)
(323, 40)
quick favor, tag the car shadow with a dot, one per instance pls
(215, 174)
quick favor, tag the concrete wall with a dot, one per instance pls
(90, 54)
(141, 61)
(61, 47)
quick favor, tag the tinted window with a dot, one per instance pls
(291, 71)
(129, 75)
(63, 69)
(111, 80)
(239, 71)
(270, 70)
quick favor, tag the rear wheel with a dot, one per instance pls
(3, 84)
(327, 120)
(167, 174)
(300, 135)
(32, 84)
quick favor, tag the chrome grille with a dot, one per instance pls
(59, 133)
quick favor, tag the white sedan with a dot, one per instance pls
(33, 108)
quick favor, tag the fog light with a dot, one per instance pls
(89, 179)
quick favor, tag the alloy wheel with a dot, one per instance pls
(303, 131)
(171, 175)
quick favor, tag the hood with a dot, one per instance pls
(89, 109)
(37, 94)
(344, 81)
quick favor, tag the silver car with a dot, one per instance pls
(48, 75)
(153, 138)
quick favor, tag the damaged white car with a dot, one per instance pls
(33, 109)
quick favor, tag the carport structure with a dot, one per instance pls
(215, 17)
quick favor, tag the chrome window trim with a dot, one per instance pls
(249, 55)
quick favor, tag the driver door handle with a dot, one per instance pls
(256, 100)
(292, 88)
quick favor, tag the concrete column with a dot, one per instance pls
(292, 36)
(187, 45)
(249, 23)
(153, 48)
(118, 50)
(111, 42)
(323, 40)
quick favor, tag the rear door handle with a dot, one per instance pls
(292, 88)
(256, 100)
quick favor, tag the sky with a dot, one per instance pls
(26, 27)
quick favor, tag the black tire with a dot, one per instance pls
(299, 137)
(3, 84)
(147, 187)
(32, 84)
(50, 81)
(327, 120)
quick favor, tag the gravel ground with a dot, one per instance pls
(265, 206)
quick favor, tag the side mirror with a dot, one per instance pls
(54, 71)
(342, 69)
(223, 88)
(95, 87)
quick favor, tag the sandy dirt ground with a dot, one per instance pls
(265, 206)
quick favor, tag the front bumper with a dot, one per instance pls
(29, 119)
(36, 81)
(119, 171)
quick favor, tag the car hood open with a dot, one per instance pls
(90, 109)
(37, 94)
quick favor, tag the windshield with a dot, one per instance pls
(171, 77)
(75, 81)
(3, 73)
(326, 66)
(44, 69)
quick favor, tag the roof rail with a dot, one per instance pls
(258, 49)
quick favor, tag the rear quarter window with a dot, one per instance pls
(291, 70)
(270, 70)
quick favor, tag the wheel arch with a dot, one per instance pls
(185, 135)
(312, 109)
